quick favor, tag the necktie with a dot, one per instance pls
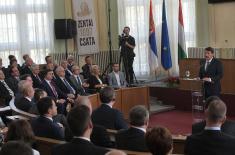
(53, 89)
(8, 88)
(72, 91)
(79, 81)
(207, 64)
(38, 78)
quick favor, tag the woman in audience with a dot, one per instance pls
(159, 141)
(95, 80)
(20, 130)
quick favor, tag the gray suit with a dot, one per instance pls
(113, 81)
(77, 84)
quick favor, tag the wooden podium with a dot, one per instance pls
(191, 84)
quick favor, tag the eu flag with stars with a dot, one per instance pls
(165, 45)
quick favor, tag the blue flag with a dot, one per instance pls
(165, 47)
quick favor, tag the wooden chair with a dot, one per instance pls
(45, 145)
(20, 112)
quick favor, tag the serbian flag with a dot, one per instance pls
(181, 37)
(153, 58)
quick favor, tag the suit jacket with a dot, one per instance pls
(94, 81)
(24, 104)
(68, 73)
(13, 84)
(78, 146)
(49, 91)
(44, 127)
(215, 72)
(62, 85)
(77, 85)
(25, 70)
(5, 96)
(210, 142)
(86, 71)
(109, 118)
(131, 139)
(36, 82)
(228, 127)
(113, 81)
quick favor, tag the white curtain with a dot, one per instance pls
(26, 26)
(135, 13)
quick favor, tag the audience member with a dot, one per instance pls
(14, 78)
(116, 78)
(25, 56)
(159, 141)
(95, 80)
(25, 103)
(77, 80)
(28, 78)
(44, 126)
(86, 69)
(134, 137)
(38, 94)
(105, 115)
(21, 130)
(211, 140)
(16, 147)
(37, 81)
(81, 126)
(71, 62)
(6, 93)
(68, 72)
(26, 69)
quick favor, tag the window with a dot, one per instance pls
(26, 27)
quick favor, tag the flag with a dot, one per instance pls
(165, 45)
(153, 58)
(181, 37)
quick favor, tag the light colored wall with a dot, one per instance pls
(63, 9)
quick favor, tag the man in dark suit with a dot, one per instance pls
(70, 61)
(37, 81)
(79, 121)
(25, 103)
(105, 115)
(6, 93)
(77, 81)
(68, 72)
(44, 126)
(26, 69)
(86, 69)
(211, 72)
(134, 137)
(14, 78)
(211, 141)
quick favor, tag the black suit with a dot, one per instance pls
(26, 70)
(62, 86)
(5, 96)
(94, 81)
(131, 139)
(210, 142)
(78, 146)
(13, 84)
(49, 91)
(37, 81)
(24, 104)
(214, 71)
(86, 71)
(228, 127)
(109, 118)
(45, 127)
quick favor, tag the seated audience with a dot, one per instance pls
(6, 92)
(25, 56)
(71, 62)
(27, 77)
(38, 94)
(14, 78)
(77, 81)
(21, 130)
(5, 71)
(227, 127)
(44, 126)
(37, 81)
(211, 140)
(13, 62)
(134, 137)
(81, 126)
(86, 69)
(116, 78)
(63, 83)
(49, 63)
(68, 72)
(99, 135)
(105, 115)
(25, 102)
(159, 141)
(95, 80)
(16, 147)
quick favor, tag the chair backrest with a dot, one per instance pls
(45, 145)
(20, 112)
